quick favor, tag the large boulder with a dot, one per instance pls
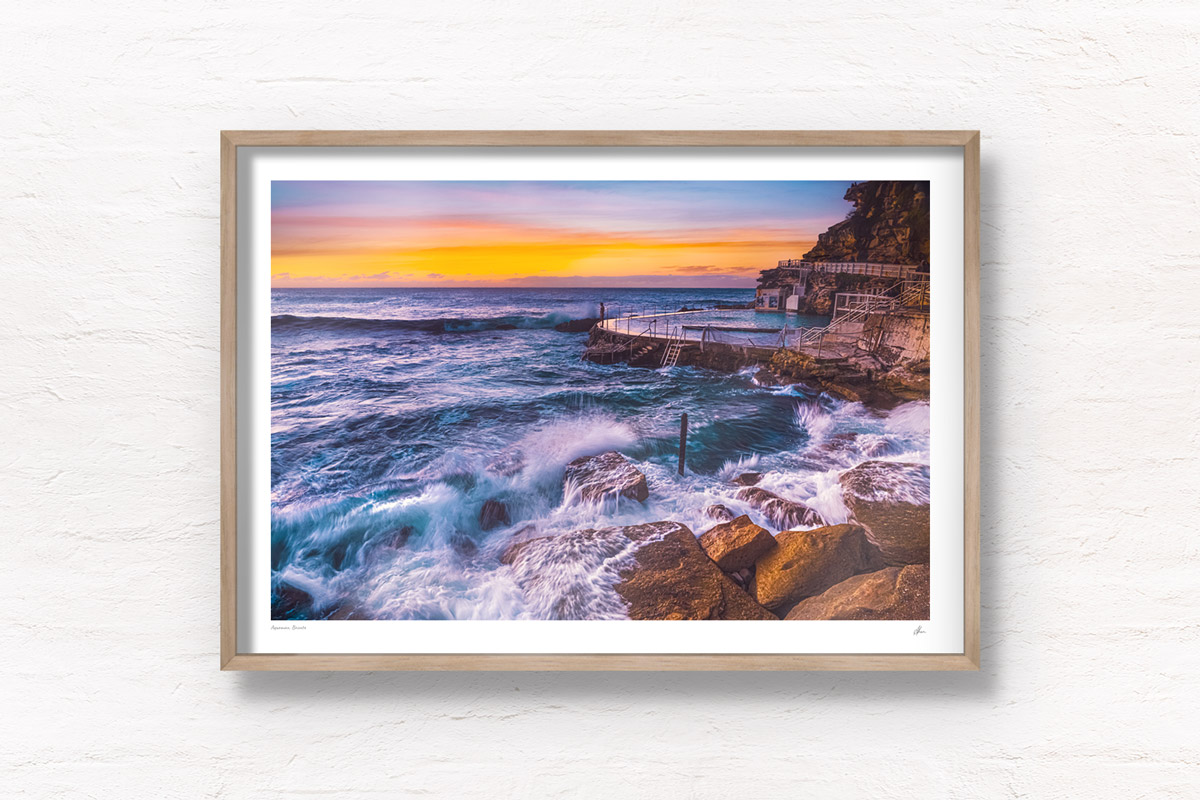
(673, 579)
(892, 593)
(737, 544)
(908, 380)
(890, 500)
(658, 571)
(806, 563)
(606, 475)
(780, 512)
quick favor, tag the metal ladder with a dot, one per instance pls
(674, 346)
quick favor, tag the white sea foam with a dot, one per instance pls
(547, 450)
(735, 467)
(815, 420)
(910, 418)
(410, 545)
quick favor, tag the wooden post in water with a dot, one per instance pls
(682, 441)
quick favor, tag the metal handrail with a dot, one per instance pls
(845, 302)
(914, 294)
(874, 268)
(814, 334)
(634, 340)
(908, 294)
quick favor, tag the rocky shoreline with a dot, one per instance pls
(864, 378)
(874, 567)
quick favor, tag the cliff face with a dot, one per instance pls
(889, 224)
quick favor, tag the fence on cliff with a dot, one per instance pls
(872, 269)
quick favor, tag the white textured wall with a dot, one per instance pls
(1091, 262)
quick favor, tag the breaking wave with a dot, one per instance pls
(388, 442)
(291, 322)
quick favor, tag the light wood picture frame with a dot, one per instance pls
(236, 526)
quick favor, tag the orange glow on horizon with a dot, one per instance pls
(498, 262)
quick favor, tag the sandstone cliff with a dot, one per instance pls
(889, 224)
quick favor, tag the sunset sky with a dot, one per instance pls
(543, 233)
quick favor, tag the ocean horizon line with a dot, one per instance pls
(513, 288)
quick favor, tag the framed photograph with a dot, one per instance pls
(602, 400)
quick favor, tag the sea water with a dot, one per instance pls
(397, 413)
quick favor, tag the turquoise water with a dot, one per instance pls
(397, 413)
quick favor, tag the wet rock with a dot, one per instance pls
(506, 326)
(336, 555)
(718, 512)
(748, 478)
(765, 377)
(782, 513)
(563, 574)
(609, 541)
(399, 537)
(376, 548)
(290, 602)
(737, 544)
(806, 563)
(577, 325)
(909, 380)
(673, 579)
(892, 593)
(880, 496)
(493, 514)
(346, 610)
(661, 574)
(606, 475)
(463, 545)
(840, 442)
(519, 540)
(843, 391)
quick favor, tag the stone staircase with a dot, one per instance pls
(641, 351)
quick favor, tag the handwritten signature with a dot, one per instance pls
(919, 631)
